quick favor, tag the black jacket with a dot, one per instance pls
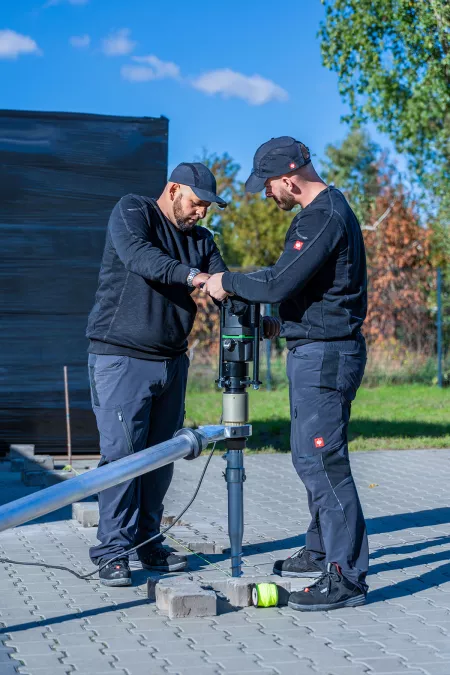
(320, 278)
(143, 306)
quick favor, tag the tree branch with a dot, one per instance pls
(384, 215)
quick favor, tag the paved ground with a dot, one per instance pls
(52, 623)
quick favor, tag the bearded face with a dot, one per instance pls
(281, 196)
(285, 200)
(188, 209)
(184, 220)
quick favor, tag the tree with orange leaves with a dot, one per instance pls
(400, 274)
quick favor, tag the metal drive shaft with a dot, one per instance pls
(235, 477)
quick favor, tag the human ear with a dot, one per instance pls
(173, 190)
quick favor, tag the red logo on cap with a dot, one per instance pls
(298, 245)
(292, 165)
(319, 442)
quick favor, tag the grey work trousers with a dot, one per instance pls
(137, 404)
(323, 380)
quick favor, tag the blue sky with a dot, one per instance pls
(228, 75)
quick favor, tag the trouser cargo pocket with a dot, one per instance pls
(115, 437)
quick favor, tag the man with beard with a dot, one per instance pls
(320, 281)
(154, 257)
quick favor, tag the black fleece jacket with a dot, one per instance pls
(320, 278)
(143, 306)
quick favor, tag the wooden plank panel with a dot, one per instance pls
(60, 287)
(66, 167)
(60, 176)
(31, 244)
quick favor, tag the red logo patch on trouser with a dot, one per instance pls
(319, 442)
(298, 245)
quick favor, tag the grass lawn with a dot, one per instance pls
(386, 417)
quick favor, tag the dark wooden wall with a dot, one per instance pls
(60, 176)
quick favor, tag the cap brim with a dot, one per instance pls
(254, 183)
(206, 196)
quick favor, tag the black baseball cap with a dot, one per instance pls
(200, 180)
(275, 158)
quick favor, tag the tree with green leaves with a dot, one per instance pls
(392, 58)
(353, 167)
(250, 232)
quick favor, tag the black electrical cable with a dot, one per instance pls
(125, 553)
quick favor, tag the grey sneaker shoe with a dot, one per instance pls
(301, 564)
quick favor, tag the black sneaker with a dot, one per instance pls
(162, 559)
(116, 573)
(331, 591)
(301, 564)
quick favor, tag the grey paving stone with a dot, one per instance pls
(21, 450)
(49, 661)
(55, 670)
(300, 669)
(44, 647)
(413, 528)
(9, 669)
(143, 669)
(86, 513)
(349, 669)
(110, 671)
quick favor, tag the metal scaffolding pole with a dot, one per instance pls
(73, 490)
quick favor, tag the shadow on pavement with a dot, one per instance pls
(73, 616)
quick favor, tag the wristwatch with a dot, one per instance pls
(193, 273)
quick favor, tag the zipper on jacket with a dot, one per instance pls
(125, 429)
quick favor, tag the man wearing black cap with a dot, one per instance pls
(153, 259)
(320, 281)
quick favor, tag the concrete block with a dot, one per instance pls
(208, 547)
(201, 546)
(238, 591)
(33, 478)
(17, 464)
(55, 477)
(87, 517)
(39, 463)
(222, 546)
(180, 598)
(163, 589)
(86, 513)
(192, 601)
(19, 450)
(152, 583)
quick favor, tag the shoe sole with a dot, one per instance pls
(116, 582)
(299, 575)
(165, 568)
(352, 602)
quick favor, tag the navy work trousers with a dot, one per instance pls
(137, 403)
(323, 380)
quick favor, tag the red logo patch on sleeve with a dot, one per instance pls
(298, 245)
(319, 442)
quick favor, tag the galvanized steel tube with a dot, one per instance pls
(73, 490)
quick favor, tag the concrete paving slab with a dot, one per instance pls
(406, 619)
